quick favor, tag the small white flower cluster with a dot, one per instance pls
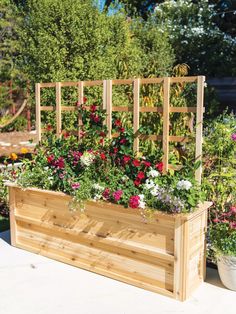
(98, 191)
(184, 185)
(142, 203)
(87, 159)
(153, 173)
(149, 184)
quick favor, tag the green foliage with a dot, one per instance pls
(219, 176)
(195, 37)
(72, 40)
(9, 43)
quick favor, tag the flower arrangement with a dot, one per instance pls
(99, 168)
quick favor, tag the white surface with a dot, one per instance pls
(32, 284)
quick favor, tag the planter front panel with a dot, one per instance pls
(163, 254)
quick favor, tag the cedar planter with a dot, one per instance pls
(165, 254)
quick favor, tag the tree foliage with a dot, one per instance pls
(72, 39)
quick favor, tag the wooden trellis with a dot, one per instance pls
(166, 109)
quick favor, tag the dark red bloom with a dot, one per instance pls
(137, 182)
(101, 141)
(136, 163)
(103, 156)
(66, 134)
(159, 166)
(134, 201)
(118, 123)
(102, 134)
(60, 163)
(50, 159)
(93, 108)
(123, 141)
(122, 130)
(84, 99)
(141, 175)
(147, 163)
(106, 193)
(115, 150)
(96, 119)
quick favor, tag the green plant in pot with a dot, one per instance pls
(223, 239)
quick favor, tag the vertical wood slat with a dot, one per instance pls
(109, 106)
(166, 112)
(199, 125)
(12, 215)
(38, 112)
(58, 108)
(177, 255)
(81, 102)
(136, 114)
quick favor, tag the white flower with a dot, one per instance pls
(86, 159)
(184, 185)
(149, 184)
(154, 191)
(153, 173)
(142, 203)
(98, 187)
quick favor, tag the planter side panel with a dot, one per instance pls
(107, 239)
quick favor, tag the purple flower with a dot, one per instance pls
(75, 185)
(233, 137)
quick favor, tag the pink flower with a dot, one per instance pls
(141, 175)
(117, 195)
(126, 159)
(134, 201)
(147, 164)
(93, 108)
(233, 209)
(75, 185)
(233, 225)
(215, 220)
(106, 193)
(123, 141)
(60, 163)
(233, 136)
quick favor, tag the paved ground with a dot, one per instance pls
(32, 284)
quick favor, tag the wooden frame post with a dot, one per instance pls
(38, 111)
(58, 108)
(136, 114)
(12, 215)
(166, 123)
(109, 106)
(199, 125)
(81, 102)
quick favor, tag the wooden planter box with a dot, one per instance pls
(165, 254)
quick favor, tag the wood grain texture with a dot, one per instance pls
(38, 111)
(158, 254)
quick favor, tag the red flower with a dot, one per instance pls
(84, 99)
(126, 159)
(147, 163)
(93, 108)
(49, 128)
(122, 130)
(136, 163)
(141, 175)
(106, 193)
(159, 166)
(123, 141)
(102, 134)
(103, 156)
(66, 134)
(101, 141)
(50, 159)
(137, 182)
(60, 163)
(118, 123)
(134, 201)
(75, 185)
(233, 209)
(115, 150)
(96, 119)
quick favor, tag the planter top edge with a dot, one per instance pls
(182, 216)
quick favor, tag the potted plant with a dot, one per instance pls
(223, 241)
